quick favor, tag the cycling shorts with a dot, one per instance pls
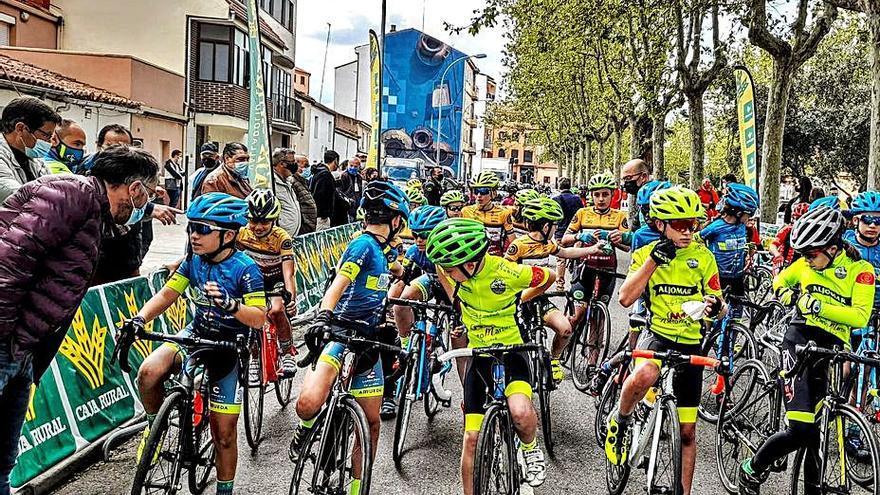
(607, 283)
(687, 384)
(803, 394)
(367, 379)
(478, 384)
(222, 371)
(429, 288)
(528, 312)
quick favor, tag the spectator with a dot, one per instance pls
(570, 203)
(210, 160)
(371, 174)
(323, 188)
(291, 217)
(725, 180)
(27, 125)
(803, 188)
(68, 148)
(816, 193)
(174, 178)
(355, 167)
(50, 238)
(433, 187)
(306, 201)
(633, 175)
(341, 201)
(709, 198)
(231, 177)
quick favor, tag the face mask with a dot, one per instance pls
(209, 162)
(40, 149)
(137, 214)
(352, 171)
(242, 169)
(70, 156)
(631, 186)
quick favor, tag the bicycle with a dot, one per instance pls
(867, 398)
(263, 369)
(655, 427)
(758, 275)
(181, 430)
(419, 371)
(496, 469)
(338, 447)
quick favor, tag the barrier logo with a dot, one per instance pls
(31, 414)
(143, 347)
(85, 349)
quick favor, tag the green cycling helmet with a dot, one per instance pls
(449, 197)
(602, 180)
(524, 195)
(456, 241)
(676, 203)
(542, 208)
(486, 178)
(416, 196)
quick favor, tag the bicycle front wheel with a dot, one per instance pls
(664, 470)
(254, 394)
(203, 444)
(743, 348)
(604, 406)
(496, 470)
(159, 467)
(850, 455)
(542, 378)
(408, 388)
(591, 346)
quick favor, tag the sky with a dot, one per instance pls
(351, 21)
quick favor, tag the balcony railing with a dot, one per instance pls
(286, 109)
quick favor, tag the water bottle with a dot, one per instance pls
(498, 377)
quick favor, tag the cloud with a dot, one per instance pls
(351, 21)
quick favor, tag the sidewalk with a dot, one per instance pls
(169, 245)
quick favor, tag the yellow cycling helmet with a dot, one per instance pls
(416, 196)
(414, 183)
(676, 203)
(602, 180)
(486, 178)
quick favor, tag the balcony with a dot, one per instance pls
(287, 110)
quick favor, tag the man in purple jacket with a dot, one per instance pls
(50, 238)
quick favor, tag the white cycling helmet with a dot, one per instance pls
(817, 228)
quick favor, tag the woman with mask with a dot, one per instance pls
(231, 176)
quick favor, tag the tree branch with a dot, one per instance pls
(760, 35)
(821, 27)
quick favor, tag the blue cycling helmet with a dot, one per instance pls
(383, 195)
(830, 201)
(644, 196)
(741, 197)
(425, 218)
(224, 210)
(866, 202)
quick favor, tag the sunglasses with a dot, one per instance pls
(482, 191)
(421, 235)
(454, 208)
(869, 219)
(203, 228)
(686, 225)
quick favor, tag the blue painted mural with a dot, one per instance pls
(411, 95)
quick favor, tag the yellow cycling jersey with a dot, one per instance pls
(269, 252)
(845, 288)
(498, 220)
(488, 300)
(526, 250)
(588, 218)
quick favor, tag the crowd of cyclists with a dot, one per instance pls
(489, 263)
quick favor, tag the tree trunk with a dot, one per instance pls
(695, 107)
(600, 157)
(873, 180)
(616, 150)
(635, 144)
(657, 137)
(771, 156)
(588, 162)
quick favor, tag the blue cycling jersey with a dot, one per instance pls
(366, 266)
(238, 275)
(418, 258)
(871, 254)
(727, 242)
(643, 236)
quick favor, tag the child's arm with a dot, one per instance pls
(534, 292)
(334, 292)
(573, 253)
(288, 268)
(158, 303)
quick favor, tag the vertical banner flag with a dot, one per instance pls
(745, 113)
(260, 171)
(375, 100)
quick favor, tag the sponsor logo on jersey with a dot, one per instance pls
(825, 291)
(866, 278)
(693, 263)
(840, 272)
(674, 290)
(498, 286)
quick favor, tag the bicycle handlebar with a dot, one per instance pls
(675, 358)
(487, 351)
(120, 353)
(812, 352)
(420, 304)
(330, 336)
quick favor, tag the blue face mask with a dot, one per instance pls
(70, 156)
(137, 214)
(352, 171)
(40, 149)
(242, 169)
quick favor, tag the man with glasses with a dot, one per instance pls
(291, 216)
(27, 125)
(633, 175)
(673, 270)
(496, 218)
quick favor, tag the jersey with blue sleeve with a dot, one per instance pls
(415, 257)
(365, 265)
(643, 236)
(871, 254)
(238, 275)
(727, 242)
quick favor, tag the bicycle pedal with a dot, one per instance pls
(445, 402)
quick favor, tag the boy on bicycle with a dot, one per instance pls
(271, 248)
(496, 218)
(541, 215)
(727, 240)
(354, 302)
(453, 202)
(226, 287)
(836, 295)
(487, 288)
(669, 272)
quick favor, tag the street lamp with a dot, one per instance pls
(440, 100)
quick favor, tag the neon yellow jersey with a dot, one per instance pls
(690, 276)
(845, 288)
(488, 300)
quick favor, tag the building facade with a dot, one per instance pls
(514, 142)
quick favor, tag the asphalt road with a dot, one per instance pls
(430, 465)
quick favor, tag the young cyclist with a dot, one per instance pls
(416, 197)
(453, 202)
(496, 218)
(354, 302)
(866, 235)
(780, 247)
(519, 199)
(487, 287)
(541, 215)
(676, 262)
(726, 238)
(272, 248)
(837, 291)
(226, 287)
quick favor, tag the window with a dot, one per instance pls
(240, 74)
(528, 156)
(514, 154)
(315, 128)
(281, 94)
(5, 33)
(502, 153)
(330, 131)
(214, 56)
(302, 79)
(547, 179)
